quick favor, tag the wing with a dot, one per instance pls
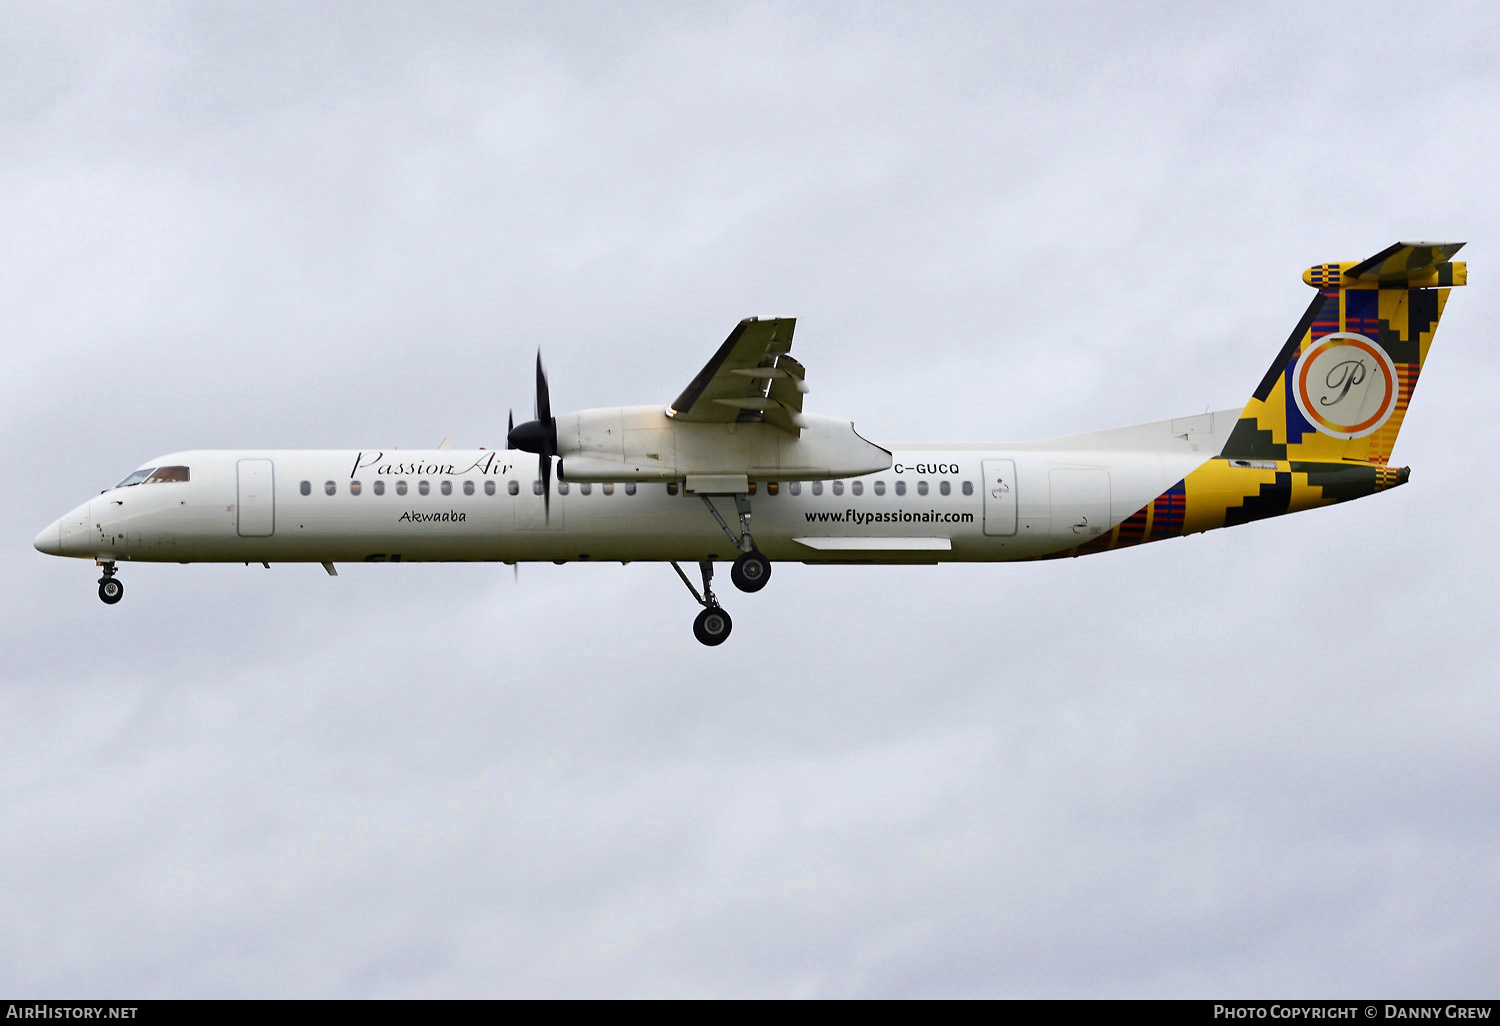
(750, 378)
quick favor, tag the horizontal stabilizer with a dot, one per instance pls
(1404, 265)
(1404, 261)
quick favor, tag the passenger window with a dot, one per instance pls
(400, 487)
(630, 488)
(795, 487)
(838, 488)
(468, 487)
(817, 488)
(857, 487)
(329, 487)
(671, 487)
(446, 487)
(772, 487)
(562, 487)
(945, 488)
(164, 474)
(354, 487)
(536, 486)
(879, 487)
(609, 488)
(306, 488)
(968, 488)
(586, 488)
(379, 487)
(423, 487)
(900, 487)
(750, 488)
(921, 487)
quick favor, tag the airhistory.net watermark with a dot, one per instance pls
(40, 1010)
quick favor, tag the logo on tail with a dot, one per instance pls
(1345, 385)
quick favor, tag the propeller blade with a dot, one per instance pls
(543, 396)
(544, 462)
(539, 435)
(510, 425)
(548, 447)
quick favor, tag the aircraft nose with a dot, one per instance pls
(50, 540)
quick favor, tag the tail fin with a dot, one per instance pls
(1340, 386)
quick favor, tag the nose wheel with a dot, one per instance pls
(110, 589)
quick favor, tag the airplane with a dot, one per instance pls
(677, 483)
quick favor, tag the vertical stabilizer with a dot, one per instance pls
(1339, 388)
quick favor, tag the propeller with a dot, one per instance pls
(538, 436)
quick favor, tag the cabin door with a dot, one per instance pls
(257, 499)
(1080, 503)
(999, 497)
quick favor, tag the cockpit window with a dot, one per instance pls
(155, 475)
(136, 478)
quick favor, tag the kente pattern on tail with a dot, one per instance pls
(1320, 426)
(1340, 386)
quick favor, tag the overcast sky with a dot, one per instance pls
(1261, 761)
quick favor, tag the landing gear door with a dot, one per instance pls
(257, 499)
(999, 497)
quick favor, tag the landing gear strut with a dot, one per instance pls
(751, 570)
(712, 625)
(110, 590)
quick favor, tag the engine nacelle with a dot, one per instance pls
(642, 443)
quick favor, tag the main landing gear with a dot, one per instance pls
(712, 625)
(110, 590)
(750, 572)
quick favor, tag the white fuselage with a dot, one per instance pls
(935, 503)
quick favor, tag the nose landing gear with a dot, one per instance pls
(110, 590)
